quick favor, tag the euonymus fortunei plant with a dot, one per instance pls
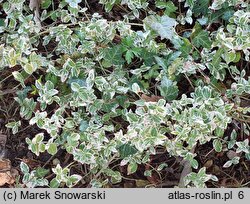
(90, 75)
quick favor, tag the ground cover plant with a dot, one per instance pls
(125, 93)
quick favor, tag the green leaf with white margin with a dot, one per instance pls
(228, 164)
(136, 88)
(116, 177)
(108, 4)
(73, 3)
(132, 168)
(19, 77)
(54, 183)
(229, 57)
(38, 138)
(75, 87)
(236, 160)
(194, 163)
(148, 173)
(29, 68)
(168, 89)
(243, 146)
(69, 64)
(202, 40)
(24, 168)
(52, 149)
(162, 166)
(217, 145)
(14, 126)
(164, 26)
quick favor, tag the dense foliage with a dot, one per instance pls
(166, 76)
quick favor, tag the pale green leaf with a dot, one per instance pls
(164, 26)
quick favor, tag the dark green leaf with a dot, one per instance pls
(161, 62)
(202, 40)
(129, 56)
(200, 7)
(114, 55)
(216, 15)
(217, 57)
(186, 47)
(196, 30)
(45, 4)
(147, 57)
(126, 150)
(41, 172)
(168, 89)
(228, 14)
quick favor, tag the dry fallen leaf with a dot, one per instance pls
(7, 174)
(142, 183)
(14, 172)
(129, 184)
(187, 168)
(34, 6)
(3, 139)
(6, 178)
(5, 165)
(32, 163)
(154, 178)
(229, 183)
(216, 170)
(208, 163)
(231, 154)
(152, 98)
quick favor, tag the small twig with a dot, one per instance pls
(24, 128)
(10, 75)
(209, 152)
(245, 184)
(52, 157)
(241, 119)
(189, 81)
(7, 91)
(168, 184)
(186, 170)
